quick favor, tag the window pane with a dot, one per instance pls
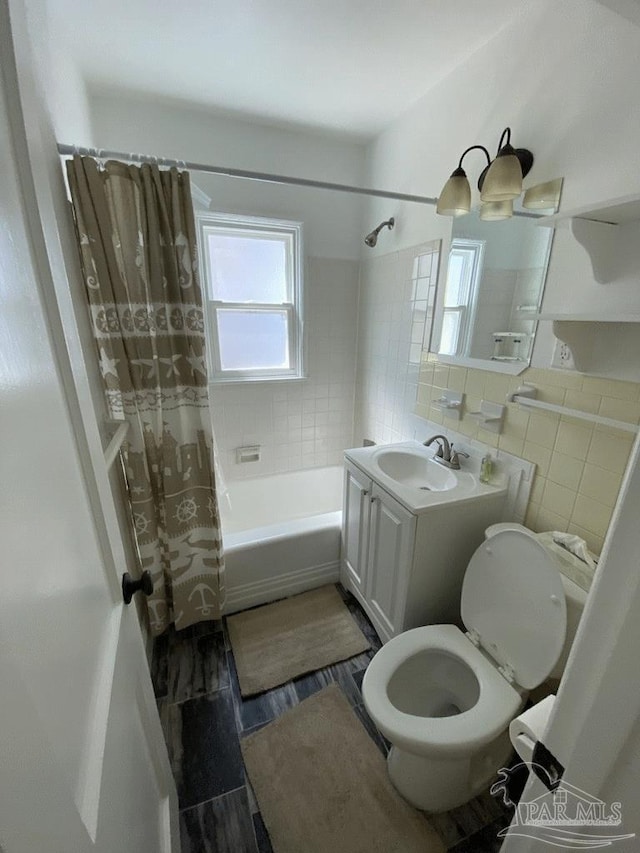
(454, 291)
(251, 340)
(450, 333)
(248, 269)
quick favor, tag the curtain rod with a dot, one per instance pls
(266, 177)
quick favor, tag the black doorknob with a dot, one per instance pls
(130, 586)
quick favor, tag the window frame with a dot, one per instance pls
(473, 253)
(264, 227)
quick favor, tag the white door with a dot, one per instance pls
(391, 539)
(355, 527)
(82, 763)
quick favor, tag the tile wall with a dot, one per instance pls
(579, 465)
(304, 423)
(397, 294)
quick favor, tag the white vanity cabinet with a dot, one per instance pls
(391, 538)
(406, 569)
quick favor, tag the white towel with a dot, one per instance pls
(575, 545)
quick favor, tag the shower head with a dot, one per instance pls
(372, 239)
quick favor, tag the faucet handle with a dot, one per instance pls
(456, 454)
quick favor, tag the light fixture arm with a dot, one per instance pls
(525, 157)
(472, 148)
(506, 132)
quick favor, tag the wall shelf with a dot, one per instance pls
(617, 211)
(601, 344)
(606, 230)
(588, 317)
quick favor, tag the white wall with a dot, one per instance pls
(563, 77)
(65, 93)
(297, 424)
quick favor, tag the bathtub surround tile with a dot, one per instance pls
(395, 315)
(198, 665)
(204, 748)
(222, 825)
(273, 413)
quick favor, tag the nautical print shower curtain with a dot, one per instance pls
(136, 235)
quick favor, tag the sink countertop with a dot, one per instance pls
(416, 500)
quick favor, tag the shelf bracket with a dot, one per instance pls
(529, 391)
(600, 239)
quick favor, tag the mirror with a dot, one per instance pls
(494, 285)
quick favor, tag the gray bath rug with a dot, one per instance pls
(322, 785)
(278, 642)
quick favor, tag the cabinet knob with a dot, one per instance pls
(365, 492)
(373, 499)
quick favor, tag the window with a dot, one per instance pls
(252, 270)
(463, 275)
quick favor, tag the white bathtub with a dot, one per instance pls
(281, 535)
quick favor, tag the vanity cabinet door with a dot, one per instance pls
(355, 527)
(391, 540)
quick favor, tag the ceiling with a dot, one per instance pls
(350, 66)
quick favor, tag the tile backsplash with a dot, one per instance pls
(579, 464)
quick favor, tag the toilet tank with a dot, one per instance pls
(575, 598)
(575, 595)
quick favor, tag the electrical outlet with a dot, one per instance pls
(562, 357)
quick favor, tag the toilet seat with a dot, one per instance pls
(497, 704)
(513, 601)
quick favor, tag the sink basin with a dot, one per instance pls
(407, 471)
(416, 470)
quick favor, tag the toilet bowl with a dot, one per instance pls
(445, 698)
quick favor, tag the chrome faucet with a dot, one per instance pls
(444, 448)
(445, 454)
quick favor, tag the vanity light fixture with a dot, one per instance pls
(492, 211)
(500, 180)
(543, 196)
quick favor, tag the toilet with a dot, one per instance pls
(444, 698)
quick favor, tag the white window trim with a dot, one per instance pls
(467, 311)
(294, 309)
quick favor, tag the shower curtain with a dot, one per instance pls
(136, 236)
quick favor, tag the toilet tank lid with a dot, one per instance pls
(506, 525)
(513, 598)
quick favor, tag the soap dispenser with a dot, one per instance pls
(486, 468)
